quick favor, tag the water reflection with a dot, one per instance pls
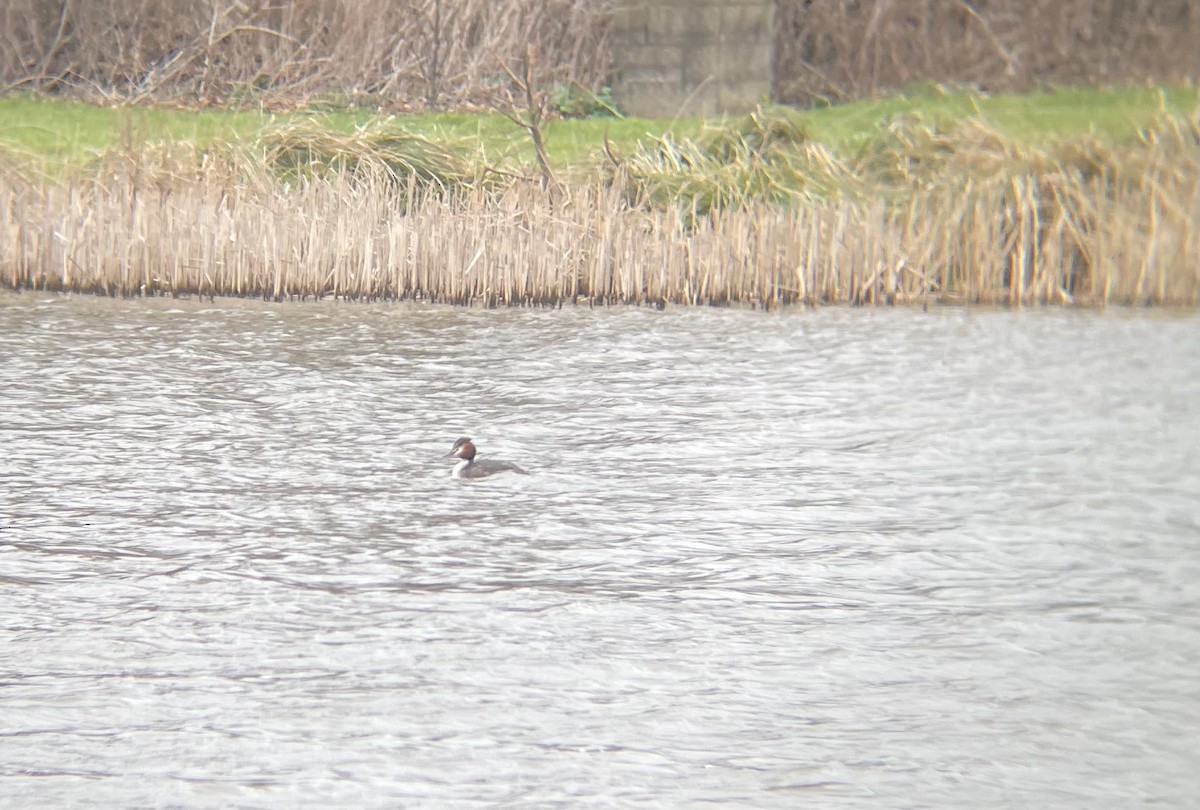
(836, 556)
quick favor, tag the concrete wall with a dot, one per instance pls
(691, 57)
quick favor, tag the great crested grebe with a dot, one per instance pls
(468, 467)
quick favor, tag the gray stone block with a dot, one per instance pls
(698, 57)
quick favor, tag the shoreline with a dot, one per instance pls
(188, 302)
(751, 212)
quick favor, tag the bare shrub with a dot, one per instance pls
(433, 53)
(840, 51)
(394, 53)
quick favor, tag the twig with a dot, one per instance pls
(608, 152)
(431, 71)
(177, 62)
(533, 113)
(40, 70)
(1010, 61)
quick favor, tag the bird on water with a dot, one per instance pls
(468, 467)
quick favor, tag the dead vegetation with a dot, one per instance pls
(393, 54)
(403, 54)
(754, 214)
(830, 52)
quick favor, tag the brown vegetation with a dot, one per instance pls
(394, 53)
(401, 54)
(963, 216)
(858, 48)
(754, 214)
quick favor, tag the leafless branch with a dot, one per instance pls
(527, 109)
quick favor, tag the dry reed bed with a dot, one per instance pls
(972, 220)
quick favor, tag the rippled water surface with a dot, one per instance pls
(834, 559)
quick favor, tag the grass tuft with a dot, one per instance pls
(312, 149)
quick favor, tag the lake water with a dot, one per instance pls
(833, 558)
